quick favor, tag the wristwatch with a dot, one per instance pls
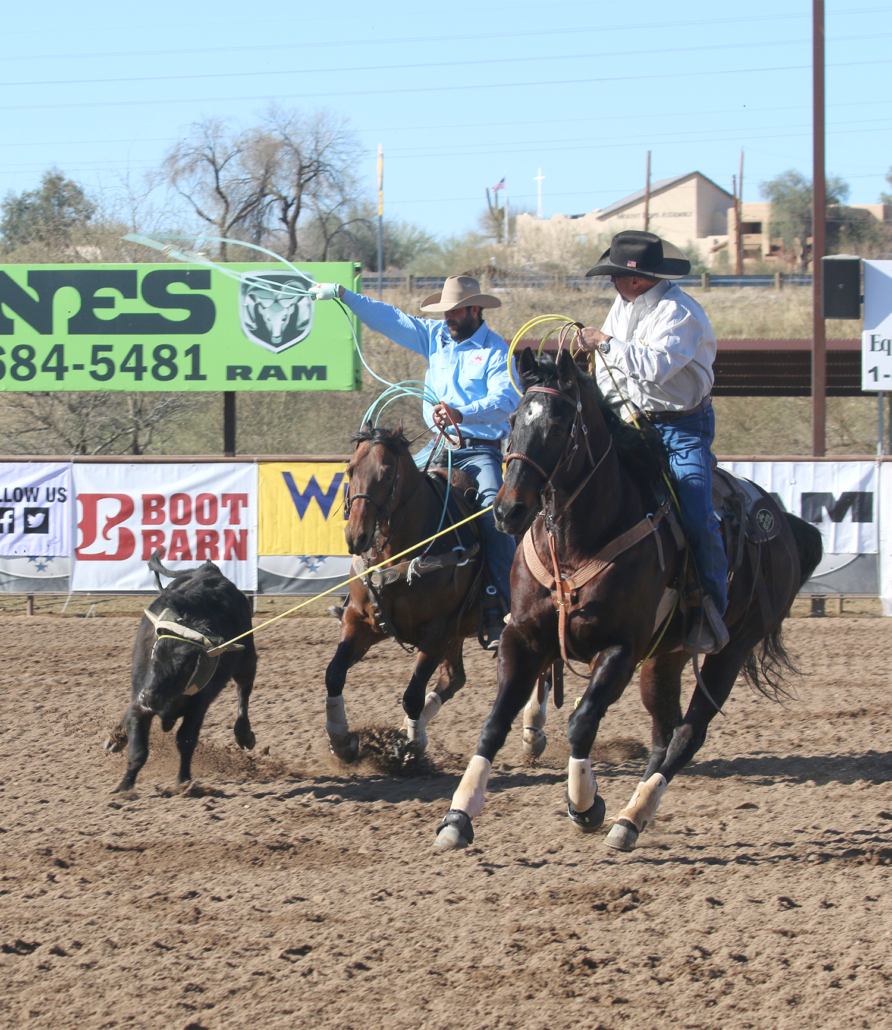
(604, 345)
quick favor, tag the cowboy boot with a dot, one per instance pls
(707, 633)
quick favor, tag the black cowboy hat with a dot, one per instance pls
(641, 253)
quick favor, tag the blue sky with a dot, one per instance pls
(458, 94)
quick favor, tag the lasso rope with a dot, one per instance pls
(340, 586)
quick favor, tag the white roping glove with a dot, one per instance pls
(325, 291)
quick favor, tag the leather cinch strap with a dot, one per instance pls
(564, 587)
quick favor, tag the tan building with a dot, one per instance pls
(689, 210)
(761, 247)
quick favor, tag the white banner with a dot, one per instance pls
(35, 509)
(189, 512)
(876, 338)
(840, 498)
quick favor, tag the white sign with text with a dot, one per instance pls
(191, 513)
(876, 340)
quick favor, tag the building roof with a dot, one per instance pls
(655, 187)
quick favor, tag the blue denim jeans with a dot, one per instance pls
(688, 442)
(485, 465)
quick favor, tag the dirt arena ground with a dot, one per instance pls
(280, 890)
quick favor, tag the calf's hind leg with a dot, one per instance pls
(244, 681)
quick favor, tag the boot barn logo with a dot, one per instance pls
(117, 527)
(270, 314)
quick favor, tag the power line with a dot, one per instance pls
(339, 43)
(434, 89)
(488, 61)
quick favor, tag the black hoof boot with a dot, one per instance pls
(455, 831)
(591, 820)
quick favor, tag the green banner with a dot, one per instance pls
(174, 327)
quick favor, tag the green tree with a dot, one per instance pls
(47, 215)
(790, 194)
(353, 236)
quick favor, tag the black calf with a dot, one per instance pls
(171, 675)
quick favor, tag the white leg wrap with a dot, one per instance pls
(416, 733)
(336, 716)
(581, 786)
(645, 802)
(470, 794)
(534, 714)
(432, 705)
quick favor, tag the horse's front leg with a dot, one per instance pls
(414, 701)
(611, 672)
(356, 638)
(519, 667)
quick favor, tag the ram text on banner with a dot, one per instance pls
(840, 498)
(302, 508)
(35, 508)
(190, 512)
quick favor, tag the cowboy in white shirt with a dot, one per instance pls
(659, 346)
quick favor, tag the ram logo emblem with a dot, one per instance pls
(271, 315)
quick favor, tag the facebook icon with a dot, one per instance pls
(7, 520)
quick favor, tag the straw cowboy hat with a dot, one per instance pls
(459, 291)
(641, 253)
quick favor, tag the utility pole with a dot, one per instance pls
(738, 257)
(736, 224)
(380, 219)
(647, 194)
(538, 179)
(819, 203)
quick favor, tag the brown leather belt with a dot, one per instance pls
(672, 416)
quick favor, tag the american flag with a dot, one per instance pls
(500, 185)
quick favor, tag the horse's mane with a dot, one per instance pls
(394, 439)
(640, 451)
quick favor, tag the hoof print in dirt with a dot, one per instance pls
(455, 831)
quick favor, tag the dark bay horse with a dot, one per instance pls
(428, 601)
(588, 491)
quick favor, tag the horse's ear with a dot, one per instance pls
(567, 368)
(527, 362)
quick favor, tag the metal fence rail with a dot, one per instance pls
(540, 281)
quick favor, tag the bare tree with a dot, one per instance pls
(314, 167)
(225, 177)
(89, 422)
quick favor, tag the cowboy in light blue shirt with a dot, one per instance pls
(468, 371)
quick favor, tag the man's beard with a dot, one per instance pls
(462, 329)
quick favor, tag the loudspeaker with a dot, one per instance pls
(842, 286)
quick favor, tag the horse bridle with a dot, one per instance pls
(380, 505)
(568, 453)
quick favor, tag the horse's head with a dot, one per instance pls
(546, 431)
(376, 482)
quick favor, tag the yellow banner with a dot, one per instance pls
(302, 508)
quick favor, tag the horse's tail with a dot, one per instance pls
(768, 664)
(808, 544)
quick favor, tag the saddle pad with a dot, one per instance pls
(742, 500)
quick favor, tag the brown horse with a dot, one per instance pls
(588, 491)
(428, 601)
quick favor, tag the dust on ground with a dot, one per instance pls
(282, 889)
